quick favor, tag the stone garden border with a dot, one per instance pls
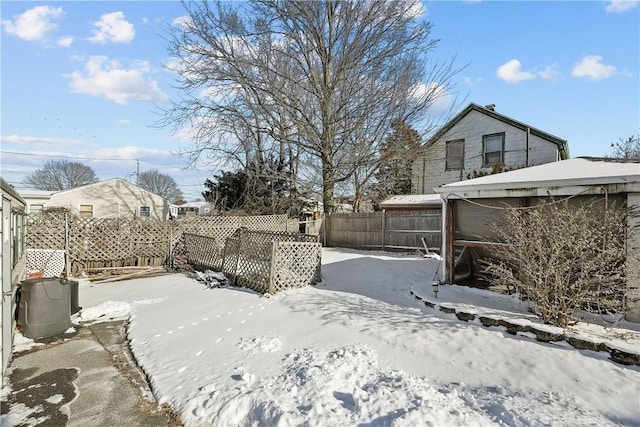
(543, 333)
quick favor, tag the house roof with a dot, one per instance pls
(191, 205)
(563, 148)
(411, 201)
(622, 175)
(97, 184)
(36, 194)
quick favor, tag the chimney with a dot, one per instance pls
(490, 107)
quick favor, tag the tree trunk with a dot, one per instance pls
(328, 182)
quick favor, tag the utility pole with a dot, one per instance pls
(137, 172)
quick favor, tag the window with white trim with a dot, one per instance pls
(492, 149)
(86, 211)
(455, 155)
(145, 211)
(36, 207)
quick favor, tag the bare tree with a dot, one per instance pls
(57, 175)
(324, 77)
(628, 148)
(161, 184)
(564, 258)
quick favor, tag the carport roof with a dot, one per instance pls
(411, 201)
(572, 173)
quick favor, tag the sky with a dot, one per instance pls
(85, 81)
(357, 349)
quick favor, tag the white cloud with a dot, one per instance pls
(65, 41)
(113, 27)
(591, 67)
(105, 78)
(471, 81)
(620, 6)
(130, 152)
(511, 72)
(549, 73)
(35, 23)
(440, 98)
(181, 21)
(417, 9)
(124, 122)
(37, 140)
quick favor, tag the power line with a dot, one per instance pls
(83, 158)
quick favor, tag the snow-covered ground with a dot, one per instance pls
(358, 349)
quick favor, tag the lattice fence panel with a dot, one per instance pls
(294, 265)
(203, 251)
(50, 261)
(101, 242)
(231, 255)
(248, 256)
(265, 222)
(46, 230)
(254, 260)
(222, 227)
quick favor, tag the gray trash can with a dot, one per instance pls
(75, 306)
(44, 307)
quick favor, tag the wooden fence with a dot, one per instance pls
(386, 230)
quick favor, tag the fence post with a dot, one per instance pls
(384, 227)
(171, 244)
(66, 245)
(272, 267)
(326, 223)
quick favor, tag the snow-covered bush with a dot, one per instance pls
(564, 256)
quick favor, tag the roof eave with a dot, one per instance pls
(544, 188)
(562, 144)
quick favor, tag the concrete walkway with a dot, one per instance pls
(89, 379)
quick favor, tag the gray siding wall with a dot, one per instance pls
(429, 170)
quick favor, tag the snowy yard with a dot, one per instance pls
(358, 349)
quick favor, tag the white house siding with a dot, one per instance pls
(429, 169)
(633, 266)
(112, 199)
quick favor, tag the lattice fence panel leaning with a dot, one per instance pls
(203, 251)
(231, 255)
(254, 260)
(294, 265)
(46, 230)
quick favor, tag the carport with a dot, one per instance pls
(469, 206)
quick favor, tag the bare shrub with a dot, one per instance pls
(564, 258)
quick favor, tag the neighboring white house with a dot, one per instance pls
(191, 208)
(113, 198)
(475, 140)
(470, 205)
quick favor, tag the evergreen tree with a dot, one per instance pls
(397, 154)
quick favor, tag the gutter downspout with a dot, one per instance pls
(526, 161)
